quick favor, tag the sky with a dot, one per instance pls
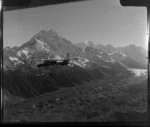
(99, 21)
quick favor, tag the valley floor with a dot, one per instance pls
(98, 101)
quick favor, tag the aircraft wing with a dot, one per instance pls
(74, 58)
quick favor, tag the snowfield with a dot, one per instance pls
(41, 45)
(24, 51)
(80, 62)
(16, 60)
(13, 58)
(138, 72)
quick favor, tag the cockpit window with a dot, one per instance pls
(78, 61)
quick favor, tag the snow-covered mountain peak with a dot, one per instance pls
(53, 32)
(90, 43)
(41, 45)
(50, 34)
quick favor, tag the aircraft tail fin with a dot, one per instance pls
(67, 56)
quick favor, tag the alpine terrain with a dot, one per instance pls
(105, 83)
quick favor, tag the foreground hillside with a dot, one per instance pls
(94, 101)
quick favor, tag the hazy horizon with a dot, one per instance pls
(100, 21)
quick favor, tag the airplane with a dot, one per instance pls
(52, 62)
(56, 62)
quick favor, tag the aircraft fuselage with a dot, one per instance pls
(53, 62)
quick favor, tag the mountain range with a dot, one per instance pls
(96, 61)
(131, 55)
